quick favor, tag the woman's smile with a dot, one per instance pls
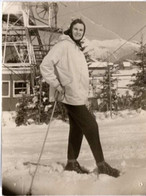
(78, 31)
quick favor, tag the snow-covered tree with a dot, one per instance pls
(139, 81)
(108, 95)
(36, 108)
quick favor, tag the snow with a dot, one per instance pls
(123, 139)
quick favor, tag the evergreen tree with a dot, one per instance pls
(21, 110)
(36, 108)
(108, 95)
(139, 81)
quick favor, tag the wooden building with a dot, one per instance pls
(24, 45)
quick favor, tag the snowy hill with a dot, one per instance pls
(102, 49)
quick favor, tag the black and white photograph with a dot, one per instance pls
(73, 112)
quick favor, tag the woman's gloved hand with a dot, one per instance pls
(60, 93)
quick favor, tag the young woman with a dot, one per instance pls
(65, 69)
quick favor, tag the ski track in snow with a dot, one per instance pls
(124, 144)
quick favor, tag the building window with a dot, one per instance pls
(15, 54)
(5, 88)
(15, 19)
(20, 87)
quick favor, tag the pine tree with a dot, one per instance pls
(108, 97)
(36, 108)
(21, 110)
(139, 81)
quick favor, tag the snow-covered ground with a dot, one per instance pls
(123, 140)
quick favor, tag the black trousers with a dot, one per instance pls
(83, 123)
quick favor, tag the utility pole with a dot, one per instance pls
(110, 94)
(142, 56)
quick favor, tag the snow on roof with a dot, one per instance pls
(127, 64)
(128, 72)
(98, 64)
(138, 61)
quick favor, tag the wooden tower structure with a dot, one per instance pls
(29, 29)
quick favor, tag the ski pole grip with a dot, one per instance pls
(56, 95)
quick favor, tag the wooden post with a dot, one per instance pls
(40, 101)
(5, 43)
(142, 56)
(110, 94)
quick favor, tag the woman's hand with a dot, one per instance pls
(60, 93)
(60, 89)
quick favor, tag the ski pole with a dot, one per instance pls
(42, 149)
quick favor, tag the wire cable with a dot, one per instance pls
(91, 21)
(81, 9)
(112, 54)
(135, 9)
(126, 41)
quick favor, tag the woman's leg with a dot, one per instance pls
(75, 140)
(87, 123)
(74, 145)
(83, 120)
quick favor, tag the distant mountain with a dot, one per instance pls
(113, 50)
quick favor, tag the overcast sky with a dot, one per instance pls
(106, 20)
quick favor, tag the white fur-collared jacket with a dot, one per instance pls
(66, 65)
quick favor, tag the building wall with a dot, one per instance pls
(9, 102)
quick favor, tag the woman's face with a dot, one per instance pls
(78, 31)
